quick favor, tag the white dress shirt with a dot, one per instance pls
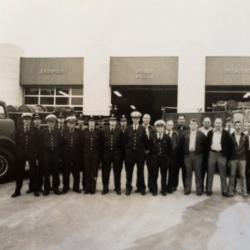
(216, 140)
(192, 141)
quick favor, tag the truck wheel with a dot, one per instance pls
(6, 164)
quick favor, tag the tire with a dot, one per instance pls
(7, 164)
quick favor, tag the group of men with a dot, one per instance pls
(71, 146)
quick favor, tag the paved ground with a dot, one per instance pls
(76, 221)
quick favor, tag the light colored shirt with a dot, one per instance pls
(216, 141)
(237, 138)
(192, 140)
(169, 132)
(230, 131)
(147, 130)
(159, 135)
(205, 130)
(135, 127)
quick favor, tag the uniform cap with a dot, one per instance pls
(159, 123)
(71, 118)
(135, 114)
(123, 118)
(50, 117)
(26, 115)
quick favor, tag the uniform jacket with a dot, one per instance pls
(91, 143)
(51, 141)
(135, 140)
(27, 142)
(71, 142)
(161, 147)
(112, 141)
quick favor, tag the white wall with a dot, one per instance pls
(96, 29)
(10, 90)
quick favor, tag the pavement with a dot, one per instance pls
(112, 222)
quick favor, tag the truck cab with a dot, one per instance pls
(7, 144)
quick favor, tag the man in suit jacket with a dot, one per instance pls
(205, 129)
(26, 141)
(112, 144)
(146, 119)
(160, 150)
(192, 145)
(181, 129)
(219, 144)
(174, 142)
(91, 146)
(135, 143)
(238, 159)
(51, 145)
(70, 155)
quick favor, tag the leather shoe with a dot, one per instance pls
(57, 192)
(16, 194)
(128, 192)
(36, 194)
(46, 192)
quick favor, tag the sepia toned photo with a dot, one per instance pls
(124, 125)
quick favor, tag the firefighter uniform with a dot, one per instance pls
(135, 142)
(112, 144)
(51, 143)
(91, 145)
(70, 156)
(26, 141)
(160, 148)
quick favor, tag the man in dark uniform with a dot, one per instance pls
(91, 145)
(26, 141)
(81, 125)
(173, 135)
(51, 144)
(112, 143)
(71, 155)
(37, 125)
(135, 144)
(181, 128)
(161, 149)
(146, 119)
(123, 127)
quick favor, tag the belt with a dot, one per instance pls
(216, 151)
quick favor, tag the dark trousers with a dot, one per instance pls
(193, 162)
(159, 162)
(71, 165)
(179, 165)
(221, 161)
(204, 167)
(51, 166)
(40, 172)
(112, 160)
(132, 158)
(248, 171)
(171, 175)
(33, 172)
(91, 165)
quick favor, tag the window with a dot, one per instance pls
(52, 97)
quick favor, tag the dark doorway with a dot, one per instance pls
(146, 99)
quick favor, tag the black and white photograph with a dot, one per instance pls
(124, 125)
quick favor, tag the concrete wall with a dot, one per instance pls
(96, 30)
(10, 90)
